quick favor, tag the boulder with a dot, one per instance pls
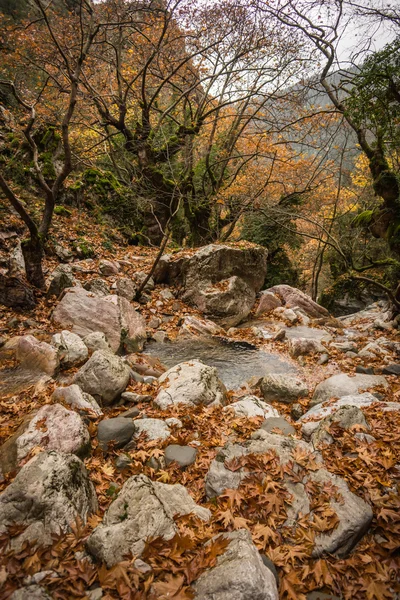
(345, 417)
(73, 396)
(71, 350)
(292, 298)
(342, 384)
(82, 313)
(161, 272)
(126, 288)
(268, 301)
(239, 573)
(252, 406)
(183, 455)
(354, 515)
(96, 341)
(47, 496)
(104, 376)
(311, 419)
(97, 286)
(60, 279)
(283, 388)
(305, 347)
(36, 356)
(108, 268)
(143, 509)
(190, 383)
(154, 429)
(195, 327)
(117, 430)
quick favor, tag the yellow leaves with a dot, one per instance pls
(163, 476)
(108, 470)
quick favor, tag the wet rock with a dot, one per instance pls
(183, 455)
(154, 429)
(143, 509)
(239, 573)
(341, 385)
(104, 376)
(320, 411)
(283, 388)
(109, 268)
(268, 301)
(71, 350)
(82, 313)
(96, 341)
(47, 496)
(195, 327)
(60, 279)
(117, 430)
(292, 297)
(73, 396)
(36, 356)
(345, 417)
(97, 286)
(252, 406)
(190, 383)
(271, 423)
(305, 347)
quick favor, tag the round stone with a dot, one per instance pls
(183, 455)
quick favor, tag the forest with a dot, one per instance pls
(187, 186)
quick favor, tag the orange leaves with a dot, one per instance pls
(171, 587)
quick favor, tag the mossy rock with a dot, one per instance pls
(62, 211)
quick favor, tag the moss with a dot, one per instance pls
(363, 219)
(62, 211)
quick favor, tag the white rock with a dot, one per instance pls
(283, 388)
(108, 268)
(154, 429)
(71, 350)
(190, 383)
(252, 406)
(304, 347)
(143, 509)
(239, 574)
(342, 384)
(195, 327)
(96, 341)
(73, 395)
(104, 376)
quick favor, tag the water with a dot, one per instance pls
(236, 361)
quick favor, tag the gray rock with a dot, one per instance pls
(96, 341)
(286, 314)
(160, 336)
(268, 563)
(71, 350)
(135, 398)
(305, 347)
(60, 280)
(117, 430)
(324, 358)
(320, 411)
(190, 383)
(341, 385)
(82, 313)
(143, 509)
(73, 395)
(348, 346)
(239, 574)
(16, 261)
(280, 423)
(173, 422)
(126, 288)
(252, 406)
(36, 356)
(131, 413)
(123, 461)
(109, 268)
(154, 323)
(95, 594)
(97, 286)
(393, 369)
(268, 301)
(47, 496)
(183, 455)
(30, 592)
(154, 429)
(104, 376)
(365, 370)
(345, 417)
(283, 388)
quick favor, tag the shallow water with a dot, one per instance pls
(236, 361)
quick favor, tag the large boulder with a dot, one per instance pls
(143, 509)
(104, 376)
(353, 514)
(52, 427)
(71, 350)
(292, 297)
(345, 417)
(190, 383)
(47, 496)
(312, 418)
(83, 313)
(36, 356)
(268, 301)
(342, 384)
(73, 396)
(283, 388)
(239, 574)
(220, 280)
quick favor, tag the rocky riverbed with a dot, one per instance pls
(211, 441)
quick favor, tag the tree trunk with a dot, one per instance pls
(32, 249)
